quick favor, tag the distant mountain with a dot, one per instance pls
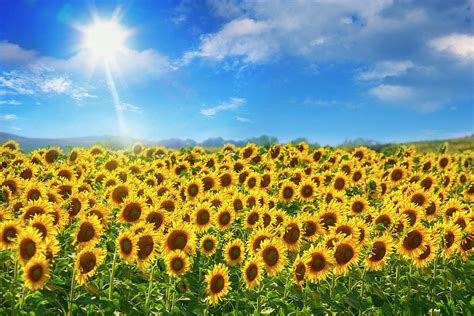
(116, 142)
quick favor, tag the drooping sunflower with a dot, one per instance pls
(127, 244)
(381, 248)
(411, 245)
(310, 226)
(292, 234)
(208, 244)
(428, 254)
(272, 253)
(218, 283)
(132, 209)
(44, 224)
(180, 237)
(252, 272)
(177, 263)
(87, 262)
(346, 254)
(318, 262)
(29, 244)
(36, 273)
(234, 252)
(88, 232)
(9, 231)
(147, 243)
(299, 271)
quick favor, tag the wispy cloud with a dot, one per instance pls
(12, 54)
(243, 119)
(330, 103)
(8, 117)
(232, 104)
(9, 102)
(126, 107)
(39, 79)
(385, 69)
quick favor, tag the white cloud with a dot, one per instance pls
(14, 54)
(419, 99)
(243, 119)
(387, 69)
(9, 102)
(38, 79)
(459, 45)
(232, 104)
(126, 107)
(390, 93)
(8, 117)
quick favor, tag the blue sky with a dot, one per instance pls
(324, 70)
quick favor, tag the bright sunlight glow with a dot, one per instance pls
(104, 38)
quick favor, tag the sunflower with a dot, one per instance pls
(339, 182)
(358, 205)
(311, 226)
(132, 209)
(44, 224)
(218, 283)
(299, 271)
(33, 208)
(177, 263)
(13, 184)
(147, 243)
(180, 237)
(272, 253)
(226, 179)
(252, 272)
(428, 254)
(78, 202)
(208, 244)
(266, 180)
(451, 235)
(249, 151)
(411, 245)
(397, 174)
(252, 218)
(224, 217)
(292, 235)
(88, 232)
(118, 193)
(329, 217)
(450, 207)
(347, 229)
(466, 245)
(29, 244)
(287, 191)
(87, 262)
(318, 263)
(202, 217)
(34, 191)
(381, 248)
(36, 273)
(306, 190)
(345, 255)
(193, 189)
(256, 238)
(9, 231)
(251, 181)
(234, 252)
(127, 244)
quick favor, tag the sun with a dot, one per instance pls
(104, 38)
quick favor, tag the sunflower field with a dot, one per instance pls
(286, 229)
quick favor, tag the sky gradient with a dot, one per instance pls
(325, 70)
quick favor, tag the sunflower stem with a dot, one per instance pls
(397, 277)
(148, 294)
(362, 287)
(112, 272)
(71, 292)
